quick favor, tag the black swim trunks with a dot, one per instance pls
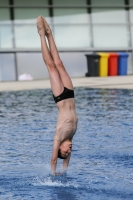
(66, 94)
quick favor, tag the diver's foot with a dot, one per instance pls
(47, 27)
(40, 26)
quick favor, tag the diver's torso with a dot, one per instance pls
(67, 120)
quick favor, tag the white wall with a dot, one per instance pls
(75, 64)
(32, 63)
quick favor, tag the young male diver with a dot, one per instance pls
(63, 95)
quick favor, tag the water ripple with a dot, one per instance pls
(102, 158)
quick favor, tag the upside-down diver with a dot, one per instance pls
(63, 94)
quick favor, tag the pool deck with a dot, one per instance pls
(123, 82)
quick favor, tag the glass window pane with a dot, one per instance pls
(70, 16)
(108, 15)
(131, 15)
(6, 36)
(72, 36)
(131, 2)
(7, 67)
(110, 36)
(30, 15)
(107, 2)
(26, 36)
(69, 2)
(132, 34)
(4, 14)
(30, 2)
(4, 2)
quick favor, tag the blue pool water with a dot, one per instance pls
(101, 166)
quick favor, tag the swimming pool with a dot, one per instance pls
(101, 166)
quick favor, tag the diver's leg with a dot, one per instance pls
(55, 80)
(55, 55)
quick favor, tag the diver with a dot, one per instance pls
(63, 94)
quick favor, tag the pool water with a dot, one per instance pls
(101, 166)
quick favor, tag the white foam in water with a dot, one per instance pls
(60, 181)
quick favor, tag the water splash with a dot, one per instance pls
(54, 181)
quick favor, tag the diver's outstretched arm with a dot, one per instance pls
(65, 163)
(54, 158)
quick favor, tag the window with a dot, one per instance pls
(131, 2)
(107, 2)
(109, 24)
(30, 2)
(71, 25)
(132, 33)
(6, 36)
(110, 36)
(71, 15)
(4, 15)
(7, 67)
(108, 15)
(69, 3)
(29, 15)
(26, 36)
(3, 2)
(72, 36)
(131, 11)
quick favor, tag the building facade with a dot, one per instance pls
(79, 27)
